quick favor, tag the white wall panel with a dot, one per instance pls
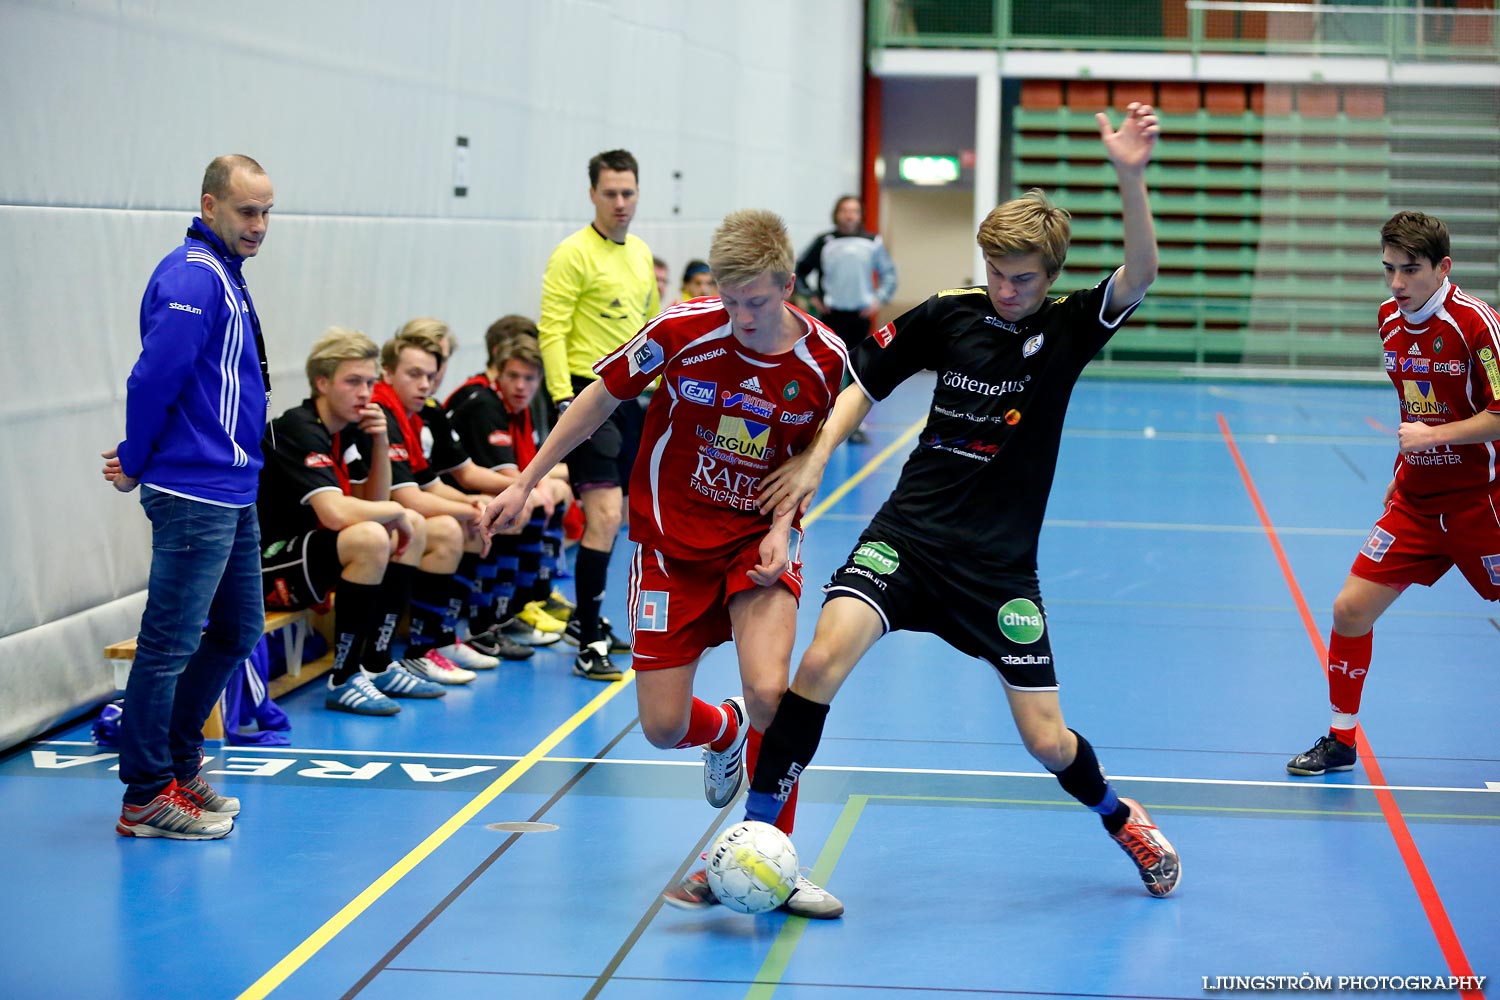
(110, 109)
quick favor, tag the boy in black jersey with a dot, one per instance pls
(1006, 358)
(327, 520)
(498, 418)
(445, 451)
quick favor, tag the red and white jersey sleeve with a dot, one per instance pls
(722, 418)
(1445, 364)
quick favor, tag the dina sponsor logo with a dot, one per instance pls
(878, 557)
(1021, 621)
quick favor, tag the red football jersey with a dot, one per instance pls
(722, 417)
(1445, 364)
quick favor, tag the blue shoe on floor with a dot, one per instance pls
(358, 695)
(395, 681)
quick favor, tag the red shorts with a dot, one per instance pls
(679, 607)
(1406, 547)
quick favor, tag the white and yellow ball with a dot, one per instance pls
(752, 867)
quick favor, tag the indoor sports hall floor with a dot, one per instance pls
(1196, 537)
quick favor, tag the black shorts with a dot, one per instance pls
(299, 572)
(852, 327)
(916, 587)
(608, 457)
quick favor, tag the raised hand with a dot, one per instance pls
(1130, 147)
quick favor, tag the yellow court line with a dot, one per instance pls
(865, 472)
(278, 973)
(315, 942)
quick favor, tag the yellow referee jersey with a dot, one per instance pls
(596, 294)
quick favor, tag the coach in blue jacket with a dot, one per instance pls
(195, 410)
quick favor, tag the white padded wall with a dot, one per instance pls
(110, 109)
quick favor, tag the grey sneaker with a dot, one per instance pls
(174, 816)
(723, 770)
(1152, 853)
(529, 635)
(201, 794)
(812, 901)
(1328, 754)
(395, 681)
(494, 642)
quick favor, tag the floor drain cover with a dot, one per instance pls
(521, 827)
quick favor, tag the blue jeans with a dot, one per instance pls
(205, 564)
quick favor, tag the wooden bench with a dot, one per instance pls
(297, 625)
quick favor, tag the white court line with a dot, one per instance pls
(1490, 786)
(1232, 529)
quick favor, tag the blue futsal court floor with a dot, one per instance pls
(1196, 537)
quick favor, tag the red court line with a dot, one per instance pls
(1432, 904)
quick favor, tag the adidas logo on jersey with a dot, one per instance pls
(752, 383)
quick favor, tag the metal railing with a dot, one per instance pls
(1399, 32)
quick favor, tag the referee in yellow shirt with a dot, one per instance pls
(598, 291)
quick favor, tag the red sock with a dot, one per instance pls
(708, 724)
(788, 817)
(1348, 667)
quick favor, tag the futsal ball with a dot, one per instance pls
(752, 867)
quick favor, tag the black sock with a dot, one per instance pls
(429, 611)
(589, 573)
(354, 611)
(504, 591)
(529, 561)
(467, 575)
(482, 602)
(395, 595)
(785, 751)
(1084, 780)
(552, 545)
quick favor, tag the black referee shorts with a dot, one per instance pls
(916, 587)
(608, 457)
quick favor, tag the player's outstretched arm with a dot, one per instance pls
(1130, 149)
(792, 484)
(580, 420)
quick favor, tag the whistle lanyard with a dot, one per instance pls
(260, 340)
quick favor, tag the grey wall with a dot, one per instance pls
(110, 109)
